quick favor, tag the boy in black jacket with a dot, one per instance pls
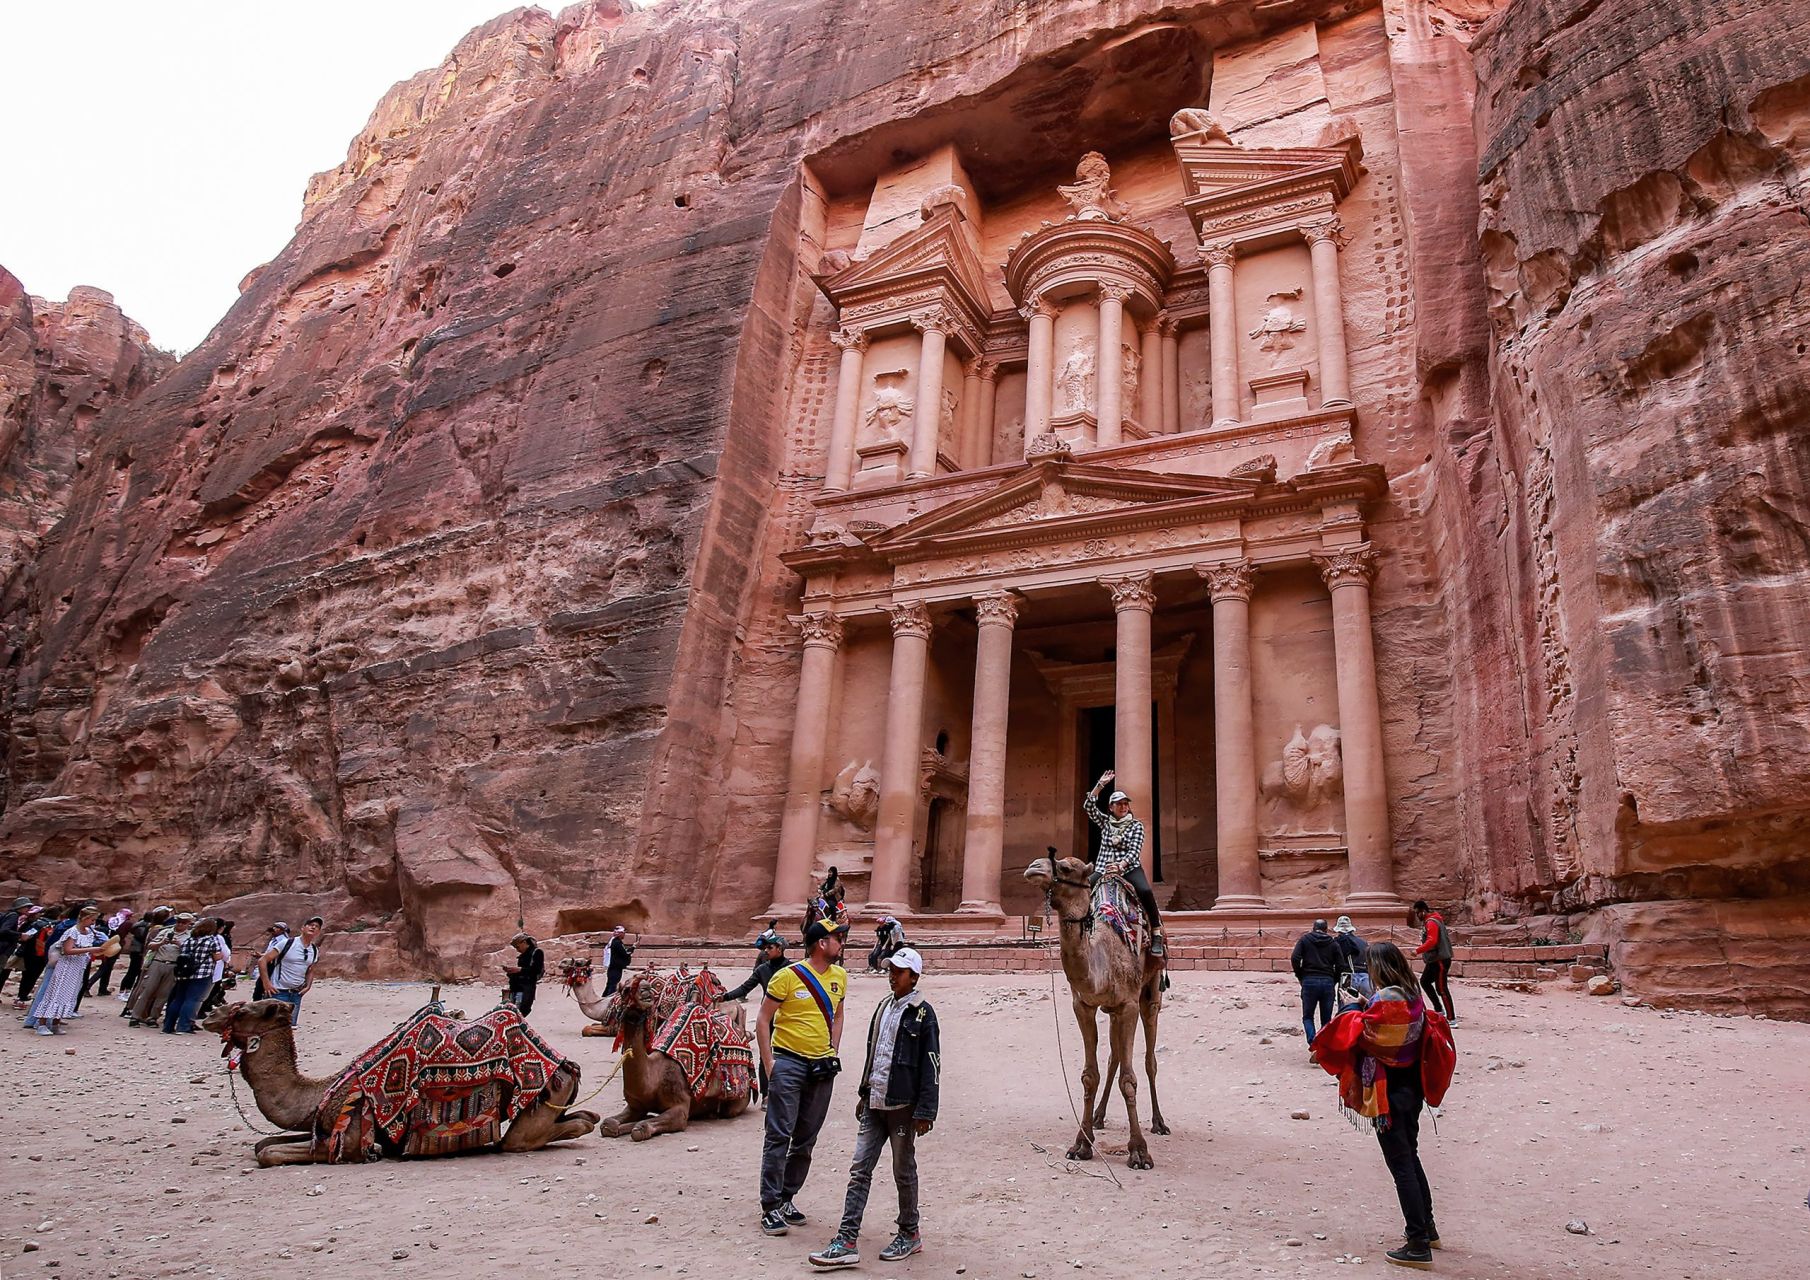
(898, 1098)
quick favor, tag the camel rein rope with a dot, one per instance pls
(232, 1085)
(1062, 1057)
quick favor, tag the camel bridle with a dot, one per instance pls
(1086, 921)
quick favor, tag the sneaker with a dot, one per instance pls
(43, 1030)
(1433, 1238)
(1158, 945)
(902, 1246)
(772, 1223)
(789, 1212)
(840, 1254)
(1418, 1256)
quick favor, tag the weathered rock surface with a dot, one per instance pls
(438, 588)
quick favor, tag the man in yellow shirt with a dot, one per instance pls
(800, 1031)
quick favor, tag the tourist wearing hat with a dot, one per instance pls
(138, 939)
(9, 937)
(152, 993)
(800, 1033)
(1122, 851)
(897, 1105)
(1355, 982)
(1317, 962)
(770, 959)
(621, 952)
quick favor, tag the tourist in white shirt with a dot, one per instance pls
(287, 968)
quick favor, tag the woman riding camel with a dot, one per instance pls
(1122, 851)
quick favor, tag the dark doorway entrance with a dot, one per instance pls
(1094, 739)
(944, 839)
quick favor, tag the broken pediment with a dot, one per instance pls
(934, 264)
(1246, 194)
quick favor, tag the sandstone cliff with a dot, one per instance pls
(439, 589)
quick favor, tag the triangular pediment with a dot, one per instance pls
(940, 246)
(1057, 490)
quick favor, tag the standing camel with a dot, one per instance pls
(1104, 975)
(265, 1042)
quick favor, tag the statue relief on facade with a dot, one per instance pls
(1279, 324)
(889, 417)
(1091, 195)
(1302, 787)
(1196, 124)
(1334, 451)
(1075, 380)
(946, 420)
(855, 795)
(1131, 364)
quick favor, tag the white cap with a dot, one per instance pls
(1117, 796)
(1343, 925)
(907, 958)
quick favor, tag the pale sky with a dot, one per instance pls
(158, 149)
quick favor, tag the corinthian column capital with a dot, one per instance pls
(996, 608)
(1115, 292)
(850, 339)
(1220, 254)
(910, 619)
(1323, 229)
(934, 319)
(1039, 306)
(1343, 565)
(1131, 591)
(1232, 580)
(822, 630)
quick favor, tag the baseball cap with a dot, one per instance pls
(1343, 925)
(821, 929)
(770, 939)
(907, 958)
(1117, 796)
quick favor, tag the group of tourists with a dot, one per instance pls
(178, 965)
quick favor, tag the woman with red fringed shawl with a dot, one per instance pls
(1391, 1056)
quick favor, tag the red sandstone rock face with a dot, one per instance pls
(439, 588)
(1643, 233)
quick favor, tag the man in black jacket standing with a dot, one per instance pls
(1317, 962)
(898, 1099)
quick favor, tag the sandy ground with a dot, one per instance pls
(1679, 1139)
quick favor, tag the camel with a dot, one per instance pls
(670, 990)
(1104, 975)
(658, 1095)
(261, 1034)
(575, 976)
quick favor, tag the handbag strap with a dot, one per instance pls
(818, 995)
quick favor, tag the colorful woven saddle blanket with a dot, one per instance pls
(715, 1055)
(1115, 903)
(435, 1085)
(675, 990)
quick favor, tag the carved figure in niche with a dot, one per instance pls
(1199, 396)
(1048, 445)
(1131, 364)
(1075, 380)
(889, 417)
(1310, 774)
(1091, 195)
(946, 420)
(1333, 451)
(855, 795)
(1196, 124)
(1279, 324)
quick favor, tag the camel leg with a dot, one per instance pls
(277, 1139)
(672, 1120)
(1124, 1034)
(300, 1151)
(1100, 1117)
(1087, 1019)
(1149, 1009)
(542, 1124)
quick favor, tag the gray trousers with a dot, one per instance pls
(795, 1111)
(895, 1125)
(152, 990)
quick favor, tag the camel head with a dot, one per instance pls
(240, 1024)
(1061, 879)
(633, 1002)
(575, 971)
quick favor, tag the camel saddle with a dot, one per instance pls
(435, 1086)
(1115, 903)
(709, 1048)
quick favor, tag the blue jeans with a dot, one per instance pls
(898, 1126)
(294, 1000)
(795, 1111)
(1316, 993)
(185, 998)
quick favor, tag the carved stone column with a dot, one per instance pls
(1323, 239)
(896, 824)
(1234, 735)
(1347, 571)
(1150, 380)
(1039, 372)
(983, 413)
(964, 421)
(1134, 601)
(1222, 305)
(985, 848)
(928, 415)
(804, 776)
(1172, 374)
(1109, 407)
(841, 467)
